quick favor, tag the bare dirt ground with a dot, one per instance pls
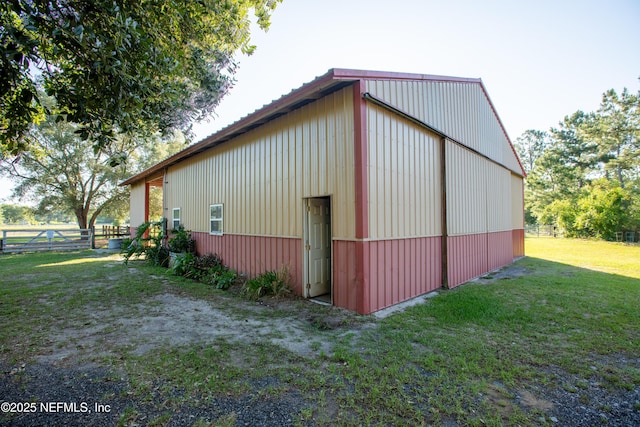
(68, 367)
(174, 320)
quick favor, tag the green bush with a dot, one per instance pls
(599, 210)
(181, 241)
(147, 242)
(275, 283)
(207, 269)
(207, 262)
(221, 277)
(157, 255)
(184, 265)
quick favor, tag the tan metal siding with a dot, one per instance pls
(466, 199)
(517, 202)
(404, 178)
(262, 176)
(498, 193)
(459, 109)
(480, 195)
(137, 200)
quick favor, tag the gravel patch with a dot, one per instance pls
(587, 402)
(89, 389)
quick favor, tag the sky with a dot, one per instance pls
(540, 60)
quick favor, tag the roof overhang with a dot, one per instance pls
(330, 82)
(334, 80)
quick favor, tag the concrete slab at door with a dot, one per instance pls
(318, 247)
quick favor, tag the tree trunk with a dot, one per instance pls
(618, 167)
(620, 177)
(81, 215)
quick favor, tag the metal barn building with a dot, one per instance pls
(372, 187)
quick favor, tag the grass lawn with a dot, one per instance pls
(532, 349)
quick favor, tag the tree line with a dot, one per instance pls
(12, 214)
(62, 175)
(583, 176)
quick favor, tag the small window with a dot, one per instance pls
(215, 219)
(175, 220)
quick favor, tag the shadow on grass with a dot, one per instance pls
(565, 303)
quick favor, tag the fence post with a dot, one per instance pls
(92, 230)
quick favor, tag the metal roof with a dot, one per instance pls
(335, 79)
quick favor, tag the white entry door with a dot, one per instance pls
(318, 247)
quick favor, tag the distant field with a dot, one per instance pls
(598, 255)
(61, 226)
(38, 227)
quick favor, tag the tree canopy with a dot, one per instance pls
(15, 214)
(584, 174)
(64, 175)
(119, 66)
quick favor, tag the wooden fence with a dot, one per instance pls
(59, 240)
(114, 231)
(45, 240)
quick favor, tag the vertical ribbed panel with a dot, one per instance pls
(479, 194)
(499, 249)
(481, 205)
(253, 255)
(480, 208)
(137, 201)
(345, 286)
(404, 178)
(403, 269)
(517, 202)
(262, 176)
(459, 109)
(473, 255)
(498, 193)
(466, 191)
(467, 258)
(517, 237)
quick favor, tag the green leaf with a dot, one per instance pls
(78, 31)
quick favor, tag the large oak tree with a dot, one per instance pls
(61, 173)
(119, 66)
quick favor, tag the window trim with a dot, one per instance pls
(220, 220)
(173, 218)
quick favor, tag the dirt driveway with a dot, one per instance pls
(66, 359)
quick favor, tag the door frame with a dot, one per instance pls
(305, 239)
